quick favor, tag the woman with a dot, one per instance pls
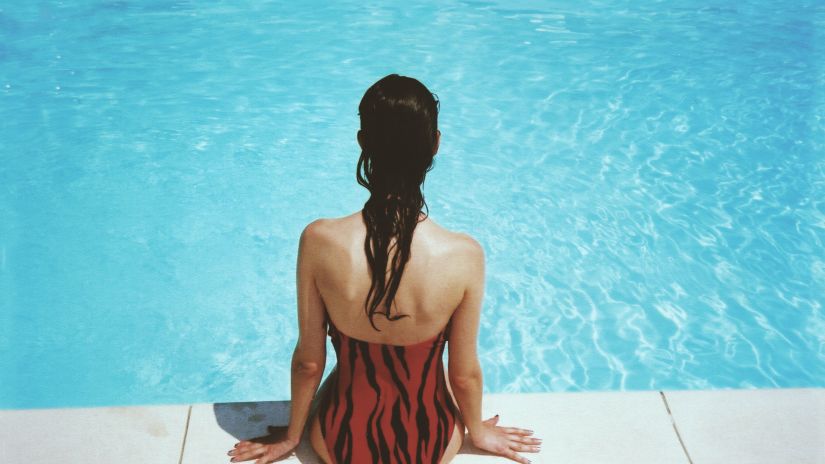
(390, 299)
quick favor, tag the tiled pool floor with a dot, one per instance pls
(700, 427)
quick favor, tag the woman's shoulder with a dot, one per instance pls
(331, 224)
(456, 242)
(315, 229)
(325, 230)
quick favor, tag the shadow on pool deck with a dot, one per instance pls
(246, 421)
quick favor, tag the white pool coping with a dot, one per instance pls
(699, 427)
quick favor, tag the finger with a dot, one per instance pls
(246, 444)
(242, 448)
(525, 440)
(524, 448)
(510, 454)
(516, 431)
(247, 454)
(492, 421)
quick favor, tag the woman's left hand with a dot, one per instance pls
(266, 449)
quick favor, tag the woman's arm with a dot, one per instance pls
(309, 356)
(465, 371)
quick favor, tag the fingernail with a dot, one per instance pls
(496, 415)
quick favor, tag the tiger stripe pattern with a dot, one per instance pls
(387, 403)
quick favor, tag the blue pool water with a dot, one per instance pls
(647, 178)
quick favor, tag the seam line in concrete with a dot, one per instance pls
(185, 433)
(675, 429)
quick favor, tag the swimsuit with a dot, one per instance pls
(387, 403)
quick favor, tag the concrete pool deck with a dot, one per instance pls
(699, 427)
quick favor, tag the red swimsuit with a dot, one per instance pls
(387, 403)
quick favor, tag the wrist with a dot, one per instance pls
(474, 431)
(293, 439)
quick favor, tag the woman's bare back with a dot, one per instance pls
(432, 286)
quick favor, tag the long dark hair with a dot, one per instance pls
(399, 122)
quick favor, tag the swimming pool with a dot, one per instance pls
(647, 181)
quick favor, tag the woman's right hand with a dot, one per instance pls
(506, 441)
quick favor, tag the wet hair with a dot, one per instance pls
(399, 122)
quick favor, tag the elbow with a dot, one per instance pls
(307, 369)
(466, 380)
